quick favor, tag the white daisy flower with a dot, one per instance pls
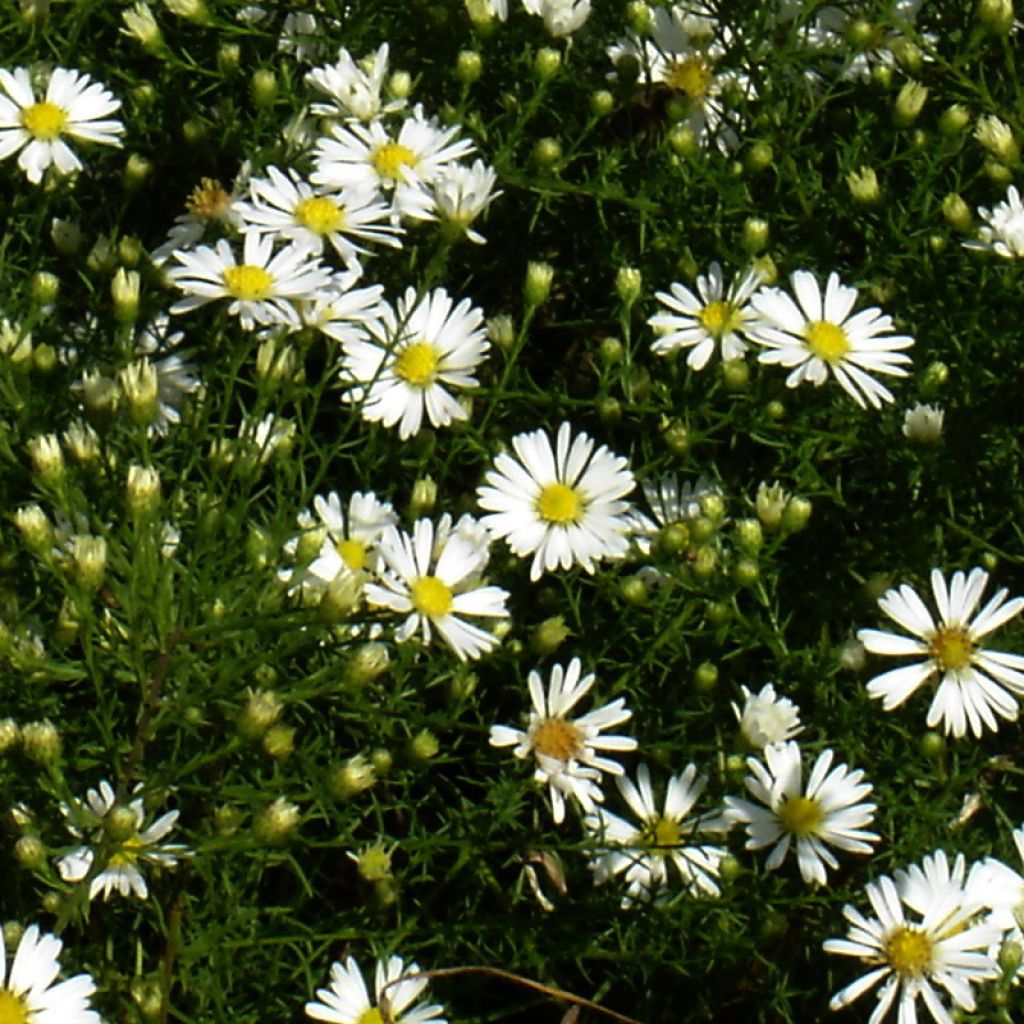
(566, 751)
(435, 580)
(681, 51)
(672, 502)
(461, 194)
(302, 38)
(114, 833)
(353, 88)
(1000, 888)
(663, 836)
(343, 312)
(285, 206)
(1003, 232)
(365, 157)
(561, 505)
(828, 813)
(73, 105)
(916, 950)
(411, 357)
(715, 317)
(28, 994)
(346, 1001)
(262, 289)
(820, 336)
(208, 205)
(561, 17)
(973, 681)
(922, 424)
(767, 718)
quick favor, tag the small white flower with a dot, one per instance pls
(353, 88)
(828, 813)
(563, 504)
(73, 105)
(914, 948)
(209, 204)
(565, 750)
(715, 317)
(30, 992)
(122, 852)
(302, 37)
(262, 289)
(820, 336)
(408, 361)
(346, 1001)
(561, 17)
(664, 836)
(343, 312)
(671, 503)
(1000, 888)
(973, 681)
(767, 718)
(1003, 232)
(923, 424)
(461, 194)
(435, 580)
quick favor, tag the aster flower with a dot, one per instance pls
(973, 681)
(343, 312)
(73, 105)
(286, 207)
(566, 751)
(767, 718)
(366, 157)
(208, 206)
(411, 357)
(461, 194)
(563, 504)
(830, 812)
(262, 289)
(435, 579)
(302, 38)
(354, 89)
(820, 337)
(114, 832)
(665, 836)
(715, 317)
(346, 1000)
(916, 947)
(672, 503)
(999, 888)
(28, 992)
(1003, 232)
(922, 424)
(561, 17)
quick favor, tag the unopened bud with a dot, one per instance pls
(547, 152)
(124, 289)
(501, 331)
(41, 742)
(705, 676)
(34, 526)
(279, 742)
(749, 535)
(137, 170)
(424, 497)
(759, 157)
(400, 85)
(863, 186)
(602, 103)
(229, 58)
(934, 378)
(148, 997)
(755, 235)
(745, 572)
(10, 735)
(852, 655)
(996, 136)
(373, 863)
(89, 555)
(956, 212)
(549, 635)
(735, 374)
(639, 16)
(766, 269)
(998, 172)
(274, 824)
(909, 103)
(47, 458)
(995, 15)
(101, 258)
(263, 88)
(1010, 955)
(954, 120)
(796, 514)
(30, 852)
(43, 288)
(633, 590)
(424, 746)
(261, 711)
(770, 503)
(705, 564)
(683, 140)
(860, 33)
(674, 539)
(538, 283)
(677, 437)
(547, 63)
(66, 235)
(366, 663)
(628, 285)
(469, 66)
(355, 776)
(923, 424)
(140, 386)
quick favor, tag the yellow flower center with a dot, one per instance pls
(391, 157)
(558, 739)
(127, 853)
(248, 282)
(800, 816)
(44, 120)
(208, 200)
(353, 553)
(321, 215)
(718, 317)
(417, 364)
(951, 648)
(559, 503)
(908, 951)
(432, 597)
(827, 340)
(12, 1008)
(371, 1015)
(661, 835)
(691, 76)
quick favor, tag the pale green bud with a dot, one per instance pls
(995, 15)
(66, 235)
(141, 389)
(400, 85)
(47, 458)
(30, 852)
(469, 66)
(863, 186)
(770, 503)
(796, 514)
(602, 103)
(355, 776)
(628, 285)
(41, 742)
(43, 288)
(124, 290)
(755, 235)
(424, 497)
(279, 742)
(909, 103)
(89, 556)
(501, 331)
(141, 25)
(547, 63)
(957, 212)
(997, 137)
(263, 88)
(373, 863)
(424, 746)
(142, 491)
(275, 823)
(954, 119)
(35, 529)
(538, 283)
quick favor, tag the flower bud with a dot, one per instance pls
(995, 15)
(274, 824)
(633, 590)
(860, 34)
(628, 285)
(609, 409)
(41, 742)
(355, 776)
(263, 88)
(602, 103)
(547, 152)
(956, 212)
(279, 742)
(469, 66)
(549, 635)
(852, 655)
(36, 531)
(932, 745)
(923, 424)
(547, 63)
(674, 539)
(366, 663)
(769, 504)
(66, 235)
(639, 16)
(190, 10)
(766, 269)
(140, 386)
(755, 235)
(907, 53)
(373, 863)
(89, 555)
(47, 458)
(424, 746)
(759, 157)
(124, 289)
(148, 997)
(424, 497)
(702, 529)
(43, 288)
(140, 25)
(35, 12)
(538, 283)
(934, 378)
(735, 374)
(705, 564)
(954, 120)
(705, 677)
(909, 103)
(745, 572)
(120, 823)
(749, 535)
(30, 852)
(996, 136)
(227, 820)
(796, 514)
(10, 734)
(101, 256)
(998, 172)
(881, 75)
(501, 331)
(400, 85)
(142, 491)
(229, 58)
(137, 170)
(261, 711)
(1010, 955)
(863, 186)
(683, 140)
(677, 437)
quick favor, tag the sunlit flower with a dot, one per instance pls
(343, 312)
(829, 812)
(923, 423)
(821, 337)
(767, 718)
(663, 836)
(461, 194)
(73, 106)
(1003, 231)
(354, 89)
(209, 206)
(973, 681)
(346, 1000)
(114, 834)
(563, 504)
(567, 751)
